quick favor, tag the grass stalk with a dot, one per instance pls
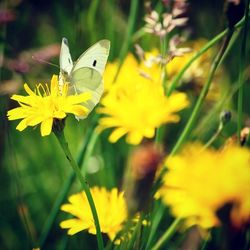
(194, 115)
(167, 235)
(154, 225)
(91, 19)
(128, 38)
(242, 66)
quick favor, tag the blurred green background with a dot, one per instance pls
(33, 169)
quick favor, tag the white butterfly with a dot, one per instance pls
(85, 75)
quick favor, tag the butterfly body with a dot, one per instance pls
(85, 75)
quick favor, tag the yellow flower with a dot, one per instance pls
(111, 209)
(44, 104)
(199, 182)
(136, 105)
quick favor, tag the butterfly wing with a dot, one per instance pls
(86, 74)
(66, 63)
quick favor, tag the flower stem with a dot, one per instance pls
(166, 236)
(202, 95)
(155, 220)
(62, 141)
(83, 156)
(214, 137)
(241, 72)
(163, 76)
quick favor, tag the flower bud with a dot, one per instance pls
(142, 167)
(225, 117)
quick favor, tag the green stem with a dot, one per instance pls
(110, 9)
(167, 235)
(164, 48)
(214, 137)
(91, 19)
(134, 241)
(128, 37)
(155, 220)
(83, 157)
(62, 141)
(210, 44)
(241, 73)
(138, 34)
(163, 75)
(202, 96)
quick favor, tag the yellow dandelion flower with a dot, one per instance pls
(110, 206)
(199, 182)
(136, 105)
(44, 105)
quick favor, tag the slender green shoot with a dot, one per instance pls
(168, 234)
(241, 73)
(215, 136)
(91, 18)
(202, 96)
(128, 37)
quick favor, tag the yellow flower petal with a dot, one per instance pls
(134, 138)
(74, 226)
(78, 110)
(117, 134)
(46, 126)
(22, 125)
(54, 90)
(28, 90)
(16, 113)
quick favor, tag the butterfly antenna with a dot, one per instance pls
(40, 60)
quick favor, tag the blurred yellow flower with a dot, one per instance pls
(44, 104)
(130, 65)
(198, 70)
(136, 104)
(196, 75)
(199, 182)
(111, 209)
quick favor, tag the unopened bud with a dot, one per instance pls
(225, 117)
(142, 168)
